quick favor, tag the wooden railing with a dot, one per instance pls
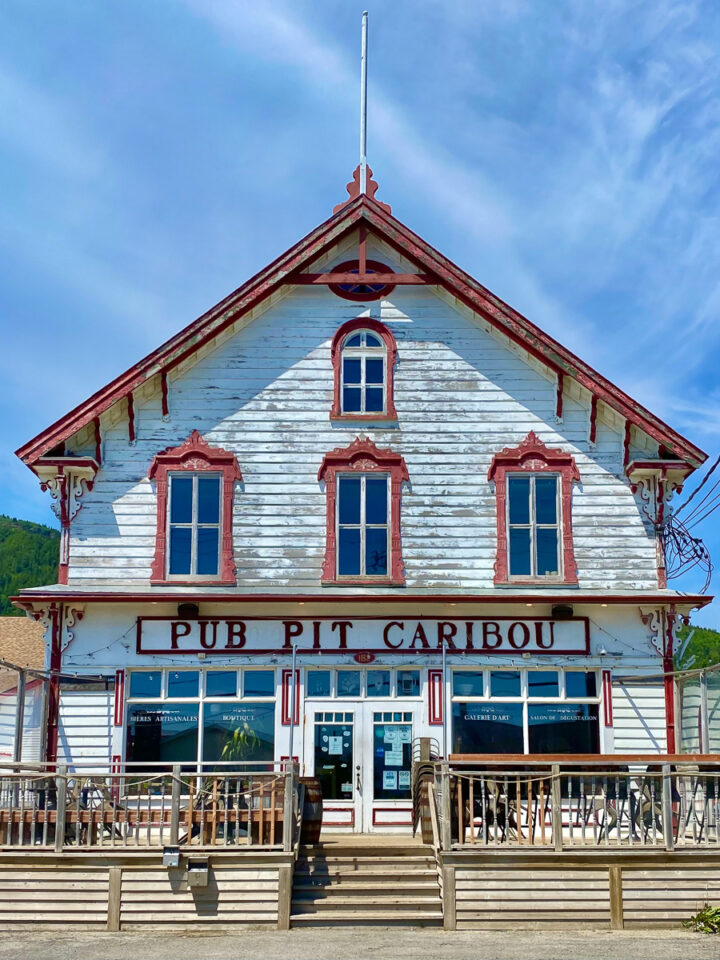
(145, 806)
(639, 801)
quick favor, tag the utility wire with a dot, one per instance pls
(699, 488)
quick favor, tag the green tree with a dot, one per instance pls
(702, 651)
(28, 558)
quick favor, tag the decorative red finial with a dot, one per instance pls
(353, 189)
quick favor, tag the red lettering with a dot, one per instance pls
(539, 638)
(491, 629)
(343, 628)
(316, 634)
(175, 632)
(419, 635)
(469, 626)
(525, 635)
(293, 628)
(386, 638)
(208, 642)
(445, 633)
(235, 634)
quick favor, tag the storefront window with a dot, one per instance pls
(505, 683)
(348, 683)
(238, 731)
(487, 727)
(563, 728)
(163, 732)
(543, 683)
(378, 683)
(318, 683)
(221, 683)
(468, 683)
(183, 684)
(258, 683)
(143, 683)
(408, 683)
(580, 684)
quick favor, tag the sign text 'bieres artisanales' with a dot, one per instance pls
(228, 635)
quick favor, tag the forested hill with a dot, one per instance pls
(28, 558)
(703, 650)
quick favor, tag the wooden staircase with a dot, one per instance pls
(392, 883)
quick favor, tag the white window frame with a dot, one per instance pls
(533, 526)
(362, 353)
(363, 526)
(194, 525)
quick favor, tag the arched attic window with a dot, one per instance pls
(363, 354)
(195, 486)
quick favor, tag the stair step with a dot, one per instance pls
(386, 850)
(325, 889)
(393, 919)
(397, 863)
(365, 905)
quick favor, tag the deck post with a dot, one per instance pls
(61, 795)
(667, 818)
(175, 806)
(616, 898)
(556, 807)
(285, 883)
(449, 899)
(114, 892)
(445, 813)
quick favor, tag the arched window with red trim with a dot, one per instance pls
(363, 354)
(363, 486)
(533, 493)
(195, 486)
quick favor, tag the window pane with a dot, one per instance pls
(351, 399)
(208, 499)
(408, 683)
(221, 683)
(180, 545)
(468, 683)
(318, 683)
(372, 340)
(238, 731)
(505, 683)
(580, 684)
(373, 400)
(378, 683)
(354, 340)
(348, 551)
(374, 370)
(349, 493)
(207, 551)
(376, 499)
(334, 758)
(352, 368)
(519, 496)
(392, 761)
(258, 683)
(348, 683)
(547, 552)
(519, 552)
(546, 499)
(181, 499)
(376, 552)
(487, 727)
(183, 683)
(163, 732)
(563, 728)
(543, 683)
(145, 684)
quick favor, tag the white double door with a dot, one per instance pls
(362, 755)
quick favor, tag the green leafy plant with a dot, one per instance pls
(706, 920)
(241, 743)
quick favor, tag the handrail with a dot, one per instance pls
(432, 801)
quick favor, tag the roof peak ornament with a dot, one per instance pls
(354, 190)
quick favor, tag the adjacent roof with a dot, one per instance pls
(444, 273)
(22, 644)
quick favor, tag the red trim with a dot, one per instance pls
(281, 271)
(53, 707)
(98, 441)
(350, 810)
(435, 698)
(364, 323)
(593, 419)
(194, 455)
(351, 272)
(607, 697)
(354, 188)
(559, 396)
(131, 418)
(285, 697)
(626, 445)
(391, 823)
(165, 408)
(119, 698)
(28, 599)
(533, 455)
(669, 682)
(363, 456)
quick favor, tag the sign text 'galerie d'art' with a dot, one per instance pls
(224, 635)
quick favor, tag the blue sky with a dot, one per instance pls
(156, 153)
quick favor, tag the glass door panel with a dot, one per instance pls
(333, 750)
(392, 755)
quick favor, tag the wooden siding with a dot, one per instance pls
(32, 730)
(265, 393)
(659, 896)
(85, 726)
(53, 893)
(639, 718)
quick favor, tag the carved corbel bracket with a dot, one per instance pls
(653, 620)
(72, 615)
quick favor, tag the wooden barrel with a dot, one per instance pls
(312, 811)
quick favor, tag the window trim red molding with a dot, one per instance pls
(370, 265)
(363, 456)
(364, 323)
(533, 456)
(436, 698)
(194, 455)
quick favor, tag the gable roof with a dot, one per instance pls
(441, 271)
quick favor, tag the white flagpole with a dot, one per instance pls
(363, 105)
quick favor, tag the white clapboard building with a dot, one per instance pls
(364, 454)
